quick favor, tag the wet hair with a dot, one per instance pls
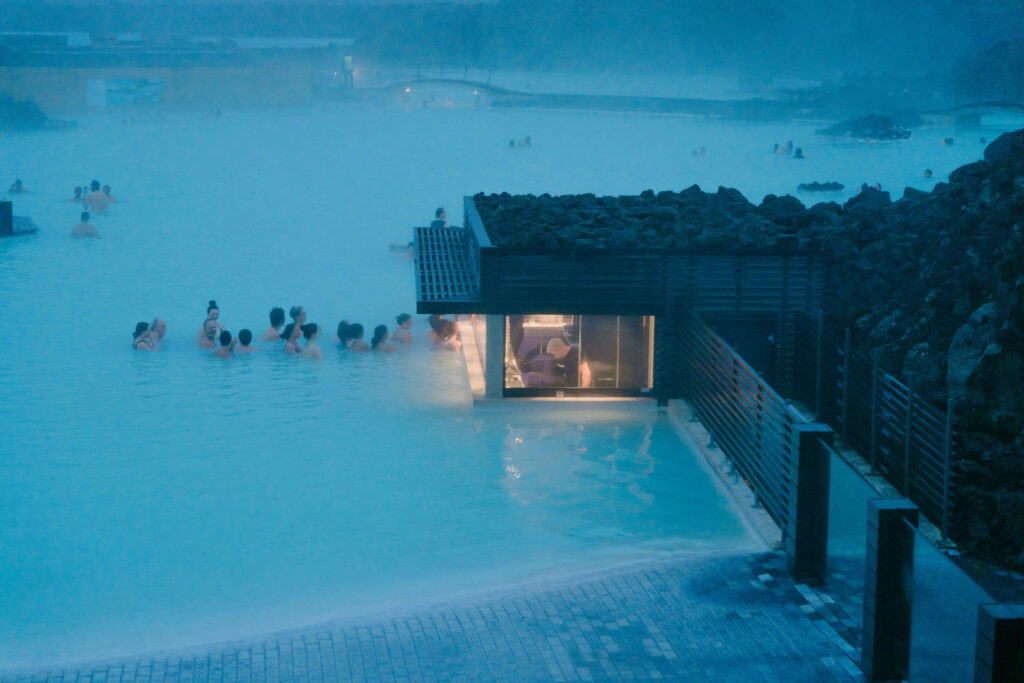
(140, 329)
(95, 185)
(401, 318)
(449, 329)
(78, 192)
(309, 329)
(211, 306)
(286, 333)
(245, 336)
(225, 338)
(85, 216)
(438, 212)
(436, 321)
(379, 333)
(355, 331)
(276, 317)
(295, 312)
(343, 331)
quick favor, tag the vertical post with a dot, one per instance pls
(6, 218)
(494, 356)
(999, 648)
(807, 550)
(948, 463)
(846, 377)
(888, 580)
(874, 413)
(909, 435)
(817, 371)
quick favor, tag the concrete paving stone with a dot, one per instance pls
(729, 617)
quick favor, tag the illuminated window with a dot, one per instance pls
(603, 353)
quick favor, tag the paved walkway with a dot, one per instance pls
(702, 617)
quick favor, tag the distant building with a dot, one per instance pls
(135, 70)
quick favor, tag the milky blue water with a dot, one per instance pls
(155, 500)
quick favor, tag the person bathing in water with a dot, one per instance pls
(245, 342)
(210, 330)
(85, 228)
(291, 334)
(157, 332)
(78, 196)
(440, 218)
(448, 335)
(351, 336)
(226, 345)
(379, 341)
(311, 331)
(212, 313)
(402, 334)
(273, 333)
(140, 338)
(96, 201)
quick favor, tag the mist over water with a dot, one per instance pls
(167, 499)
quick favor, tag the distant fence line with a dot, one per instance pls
(905, 438)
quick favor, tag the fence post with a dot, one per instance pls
(874, 413)
(909, 435)
(888, 579)
(807, 550)
(999, 648)
(946, 469)
(817, 371)
(846, 377)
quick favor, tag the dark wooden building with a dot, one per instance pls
(604, 321)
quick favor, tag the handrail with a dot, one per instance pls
(746, 417)
(908, 440)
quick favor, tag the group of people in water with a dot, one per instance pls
(97, 200)
(787, 149)
(299, 336)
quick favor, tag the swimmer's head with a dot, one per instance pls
(298, 314)
(310, 331)
(435, 321)
(449, 329)
(927, 173)
(439, 212)
(245, 336)
(210, 328)
(95, 185)
(343, 331)
(225, 338)
(159, 327)
(355, 331)
(140, 329)
(288, 332)
(85, 216)
(212, 310)
(78, 192)
(276, 317)
(404, 320)
(380, 333)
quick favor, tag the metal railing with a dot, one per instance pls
(751, 423)
(906, 439)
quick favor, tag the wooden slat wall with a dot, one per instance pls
(641, 282)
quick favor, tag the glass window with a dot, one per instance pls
(607, 352)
